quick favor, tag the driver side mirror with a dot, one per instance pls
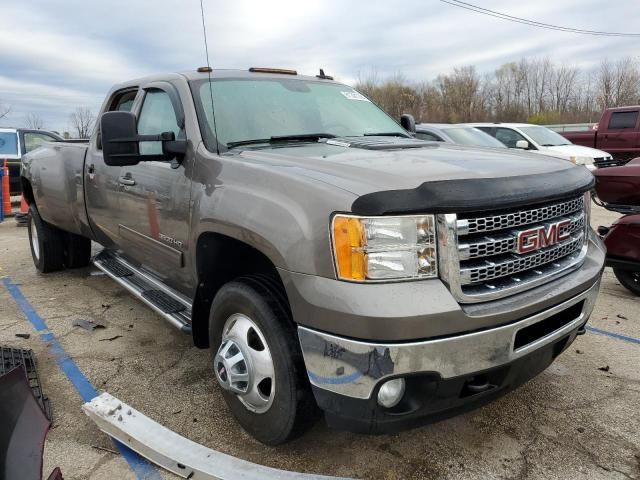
(121, 142)
(522, 144)
(408, 122)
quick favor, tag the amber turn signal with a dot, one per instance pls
(348, 239)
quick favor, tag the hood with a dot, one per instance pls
(566, 151)
(400, 164)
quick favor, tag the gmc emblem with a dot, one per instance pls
(540, 237)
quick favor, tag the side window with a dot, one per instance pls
(157, 116)
(488, 130)
(508, 137)
(620, 120)
(123, 102)
(34, 140)
(428, 136)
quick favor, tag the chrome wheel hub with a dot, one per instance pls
(243, 364)
(34, 239)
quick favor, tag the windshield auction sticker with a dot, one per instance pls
(353, 95)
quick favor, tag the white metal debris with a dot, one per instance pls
(174, 452)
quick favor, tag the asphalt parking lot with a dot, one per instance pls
(579, 419)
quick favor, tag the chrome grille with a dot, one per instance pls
(487, 270)
(487, 246)
(480, 259)
(518, 218)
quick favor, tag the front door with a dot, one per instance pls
(154, 196)
(101, 180)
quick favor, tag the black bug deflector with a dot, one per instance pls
(477, 194)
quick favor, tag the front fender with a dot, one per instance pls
(274, 209)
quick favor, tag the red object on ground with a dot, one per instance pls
(6, 196)
(24, 428)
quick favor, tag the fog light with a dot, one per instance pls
(391, 393)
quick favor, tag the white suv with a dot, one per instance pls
(535, 138)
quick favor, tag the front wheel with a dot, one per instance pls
(257, 361)
(629, 279)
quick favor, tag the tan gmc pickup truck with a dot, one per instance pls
(328, 259)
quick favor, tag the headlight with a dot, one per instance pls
(384, 248)
(581, 160)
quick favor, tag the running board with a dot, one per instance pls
(172, 306)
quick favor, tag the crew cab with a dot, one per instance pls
(618, 133)
(14, 143)
(538, 139)
(327, 258)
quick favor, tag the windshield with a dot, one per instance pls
(545, 137)
(253, 109)
(8, 143)
(473, 136)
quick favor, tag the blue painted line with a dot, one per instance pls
(614, 335)
(333, 380)
(24, 305)
(139, 465)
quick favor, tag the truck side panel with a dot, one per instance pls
(586, 139)
(55, 172)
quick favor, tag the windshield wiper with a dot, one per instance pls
(247, 142)
(303, 137)
(387, 134)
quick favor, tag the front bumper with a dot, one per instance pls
(354, 368)
(429, 398)
(399, 312)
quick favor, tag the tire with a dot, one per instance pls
(46, 243)
(77, 252)
(292, 408)
(629, 280)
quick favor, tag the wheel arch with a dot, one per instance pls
(27, 191)
(220, 259)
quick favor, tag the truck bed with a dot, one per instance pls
(56, 173)
(585, 138)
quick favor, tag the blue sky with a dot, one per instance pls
(56, 55)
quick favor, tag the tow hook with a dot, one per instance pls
(475, 385)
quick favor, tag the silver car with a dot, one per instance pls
(460, 134)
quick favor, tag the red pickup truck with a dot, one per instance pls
(618, 133)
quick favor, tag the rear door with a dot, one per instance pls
(155, 195)
(621, 132)
(101, 180)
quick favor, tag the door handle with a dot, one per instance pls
(128, 181)
(91, 171)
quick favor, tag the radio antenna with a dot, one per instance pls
(209, 70)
